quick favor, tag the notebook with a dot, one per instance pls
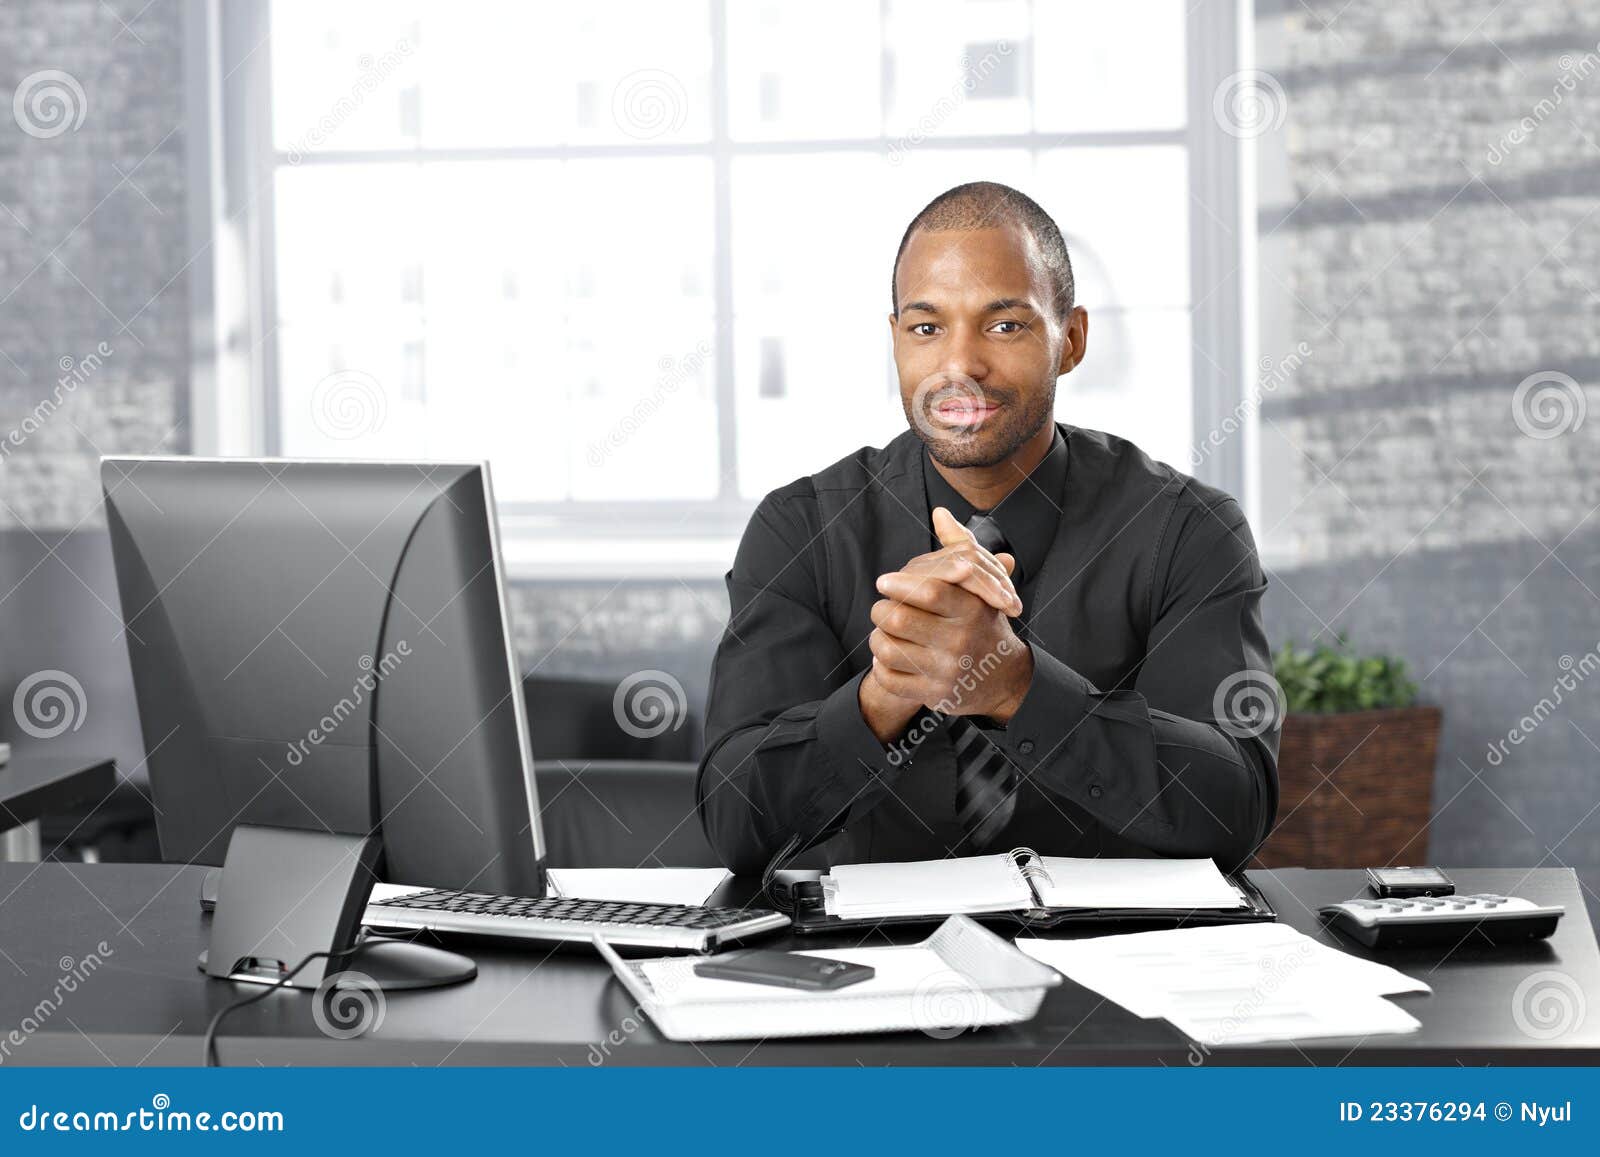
(1022, 880)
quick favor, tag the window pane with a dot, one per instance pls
(804, 70)
(531, 317)
(956, 68)
(456, 73)
(502, 73)
(1110, 66)
(1134, 381)
(344, 76)
(1125, 214)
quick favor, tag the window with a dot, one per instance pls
(637, 253)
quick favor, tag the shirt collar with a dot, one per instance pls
(1029, 515)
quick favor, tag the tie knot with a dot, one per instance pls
(988, 533)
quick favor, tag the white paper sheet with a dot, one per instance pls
(639, 885)
(1135, 883)
(1236, 983)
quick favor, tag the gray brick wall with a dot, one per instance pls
(1434, 250)
(92, 248)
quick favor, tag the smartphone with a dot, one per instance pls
(783, 969)
(1399, 882)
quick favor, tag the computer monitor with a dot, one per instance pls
(325, 645)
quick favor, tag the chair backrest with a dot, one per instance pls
(579, 719)
(621, 814)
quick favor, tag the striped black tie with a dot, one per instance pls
(986, 782)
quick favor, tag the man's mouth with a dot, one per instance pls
(964, 411)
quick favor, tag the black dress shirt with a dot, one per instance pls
(1141, 610)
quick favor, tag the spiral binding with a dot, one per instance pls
(1030, 866)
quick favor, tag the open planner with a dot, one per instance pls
(1035, 889)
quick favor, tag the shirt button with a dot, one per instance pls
(1026, 747)
(1094, 791)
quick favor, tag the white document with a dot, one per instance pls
(1236, 983)
(639, 885)
(927, 887)
(1131, 883)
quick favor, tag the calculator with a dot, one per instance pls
(1416, 921)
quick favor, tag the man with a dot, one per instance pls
(995, 631)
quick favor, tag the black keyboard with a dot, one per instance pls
(561, 918)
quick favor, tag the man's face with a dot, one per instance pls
(977, 343)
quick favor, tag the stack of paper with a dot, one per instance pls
(961, 977)
(1237, 983)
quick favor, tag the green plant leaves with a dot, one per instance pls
(1330, 678)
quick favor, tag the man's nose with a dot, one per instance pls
(964, 355)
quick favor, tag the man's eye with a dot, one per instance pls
(1009, 326)
(923, 329)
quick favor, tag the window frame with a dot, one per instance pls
(234, 386)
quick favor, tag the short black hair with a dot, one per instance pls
(982, 204)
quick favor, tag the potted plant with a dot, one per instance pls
(1355, 761)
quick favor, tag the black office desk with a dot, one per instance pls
(146, 1003)
(37, 785)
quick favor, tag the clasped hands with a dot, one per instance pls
(942, 638)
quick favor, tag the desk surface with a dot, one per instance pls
(129, 935)
(35, 785)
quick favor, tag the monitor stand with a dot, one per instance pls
(285, 894)
(376, 963)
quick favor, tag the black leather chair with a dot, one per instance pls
(621, 814)
(608, 799)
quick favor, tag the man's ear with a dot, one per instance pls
(1074, 340)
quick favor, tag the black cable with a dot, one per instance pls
(211, 1058)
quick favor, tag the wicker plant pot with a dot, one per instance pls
(1355, 789)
